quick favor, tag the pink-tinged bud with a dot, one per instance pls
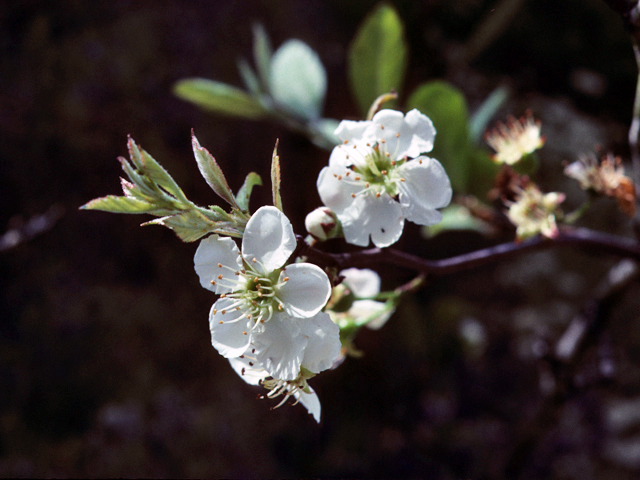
(322, 224)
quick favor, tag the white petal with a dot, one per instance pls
(249, 370)
(231, 337)
(350, 130)
(409, 136)
(211, 252)
(280, 347)
(378, 217)
(371, 313)
(351, 154)
(323, 346)
(311, 402)
(269, 238)
(307, 290)
(363, 282)
(426, 187)
(336, 194)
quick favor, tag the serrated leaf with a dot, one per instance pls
(262, 53)
(219, 97)
(297, 80)
(244, 194)
(211, 172)
(377, 56)
(116, 204)
(447, 108)
(154, 171)
(275, 178)
(189, 226)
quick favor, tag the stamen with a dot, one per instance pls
(244, 333)
(378, 195)
(285, 279)
(213, 282)
(219, 265)
(220, 277)
(220, 322)
(215, 311)
(223, 312)
(397, 134)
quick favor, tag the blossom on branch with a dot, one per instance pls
(605, 178)
(265, 305)
(535, 213)
(515, 139)
(377, 177)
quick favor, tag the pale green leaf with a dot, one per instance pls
(377, 56)
(446, 107)
(219, 97)
(483, 115)
(189, 225)
(297, 80)
(275, 178)
(457, 217)
(116, 204)
(249, 77)
(211, 172)
(262, 53)
(244, 194)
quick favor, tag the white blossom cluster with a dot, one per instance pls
(272, 320)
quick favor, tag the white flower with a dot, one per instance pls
(372, 185)
(363, 284)
(321, 350)
(515, 139)
(262, 303)
(534, 212)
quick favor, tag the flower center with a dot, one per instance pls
(255, 293)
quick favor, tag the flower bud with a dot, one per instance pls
(322, 224)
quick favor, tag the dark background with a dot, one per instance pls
(106, 365)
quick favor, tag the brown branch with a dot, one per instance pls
(602, 242)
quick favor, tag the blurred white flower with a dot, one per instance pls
(515, 139)
(534, 212)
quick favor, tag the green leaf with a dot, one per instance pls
(447, 108)
(483, 172)
(189, 226)
(377, 56)
(244, 194)
(297, 79)
(154, 171)
(483, 115)
(219, 97)
(262, 53)
(211, 172)
(249, 77)
(116, 204)
(275, 178)
(457, 217)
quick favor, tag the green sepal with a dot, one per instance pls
(219, 97)
(244, 194)
(377, 56)
(275, 178)
(211, 172)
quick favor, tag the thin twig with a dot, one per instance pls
(603, 242)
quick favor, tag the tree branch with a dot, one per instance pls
(582, 237)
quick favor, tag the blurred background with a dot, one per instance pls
(106, 364)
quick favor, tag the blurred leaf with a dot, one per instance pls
(457, 217)
(116, 204)
(447, 108)
(189, 225)
(211, 172)
(483, 170)
(377, 56)
(218, 97)
(326, 127)
(249, 77)
(275, 178)
(262, 53)
(298, 80)
(483, 115)
(244, 194)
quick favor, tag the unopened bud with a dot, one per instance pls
(323, 224)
